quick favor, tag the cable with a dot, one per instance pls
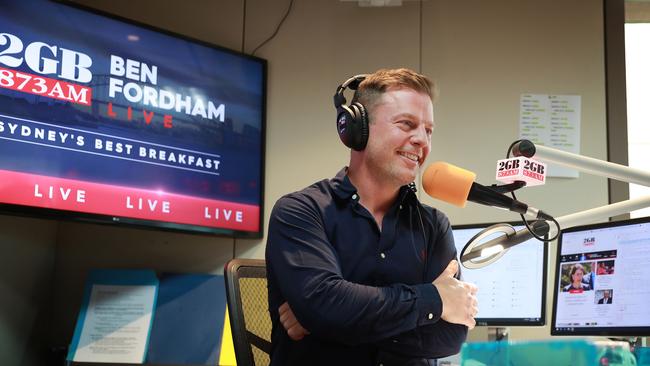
(523, 218)
(427, 249)
(420, 41)
(276, 29)
(243, 30)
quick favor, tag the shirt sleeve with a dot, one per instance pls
(442, 338)
(304, 266)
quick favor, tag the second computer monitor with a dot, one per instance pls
(601, 280)
(512, 289)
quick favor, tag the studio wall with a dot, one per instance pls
(481, 54)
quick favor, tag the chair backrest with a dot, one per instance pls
(248, 308)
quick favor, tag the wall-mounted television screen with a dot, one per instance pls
(105, 120)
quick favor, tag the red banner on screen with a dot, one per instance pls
(73, 195)
(45, 87)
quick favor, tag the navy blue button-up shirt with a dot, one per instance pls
(356, 288)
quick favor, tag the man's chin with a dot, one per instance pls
(408, 178)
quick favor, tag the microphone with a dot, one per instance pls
(455, 185)
(477, 254)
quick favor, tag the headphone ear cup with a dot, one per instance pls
(352, 126)
(355, 129)
(363, 130)
(345, 125)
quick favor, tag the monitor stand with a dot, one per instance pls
(636, 342)
(498, 334)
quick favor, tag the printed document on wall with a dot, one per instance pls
(115, 318)
(553, 121)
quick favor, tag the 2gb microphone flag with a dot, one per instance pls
(521, 169)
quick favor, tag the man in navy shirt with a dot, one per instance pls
(359, 271)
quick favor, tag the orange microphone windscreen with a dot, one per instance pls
(448, 183)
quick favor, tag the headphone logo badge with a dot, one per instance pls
(342, 122)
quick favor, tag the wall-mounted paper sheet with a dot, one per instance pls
(553, 121)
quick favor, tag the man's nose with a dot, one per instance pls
(420, 136)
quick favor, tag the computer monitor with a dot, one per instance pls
(511, 290)
(601, 285)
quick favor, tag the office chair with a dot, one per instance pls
(248, 308)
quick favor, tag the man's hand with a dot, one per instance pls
(459, 304)
(290, 323)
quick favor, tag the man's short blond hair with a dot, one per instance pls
(374, 85)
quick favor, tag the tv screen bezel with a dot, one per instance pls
(595, 331)
(507, 322)
(78, 216)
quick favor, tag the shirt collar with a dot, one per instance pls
(341, 185)
(344, 189)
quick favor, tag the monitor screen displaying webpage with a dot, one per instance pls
(600, 284)
(512, 289)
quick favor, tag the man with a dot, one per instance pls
(607, 297)
(359, 271)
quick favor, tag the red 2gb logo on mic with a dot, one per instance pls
(521, 169)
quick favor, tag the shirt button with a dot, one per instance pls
(382, 255)
(354, 196)
(400, 207)
(430, 316)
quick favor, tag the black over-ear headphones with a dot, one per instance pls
(351, 120)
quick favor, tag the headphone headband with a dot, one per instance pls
(352, 83)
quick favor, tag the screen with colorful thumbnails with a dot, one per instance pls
(106, 120)
(512, 289)
(601, 280)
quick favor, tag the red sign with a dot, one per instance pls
(74, 195)
(45, 87)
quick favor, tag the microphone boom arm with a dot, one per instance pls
(592, 166)
(581, 163)
(585, 164)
